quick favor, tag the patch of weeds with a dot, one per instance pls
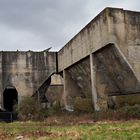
(131, 110)
(54, 110)
(124, 113)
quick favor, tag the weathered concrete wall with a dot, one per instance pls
(112, 25)
(124, 31)
(90, 38)
(114, 71)
(71, 90)
(114, 76)
(55, 90)
(80, 74)
(54, 94)
(25, 70)
(111, 71)
(56, 79)
(77, 84)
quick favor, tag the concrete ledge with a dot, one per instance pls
(128, 100)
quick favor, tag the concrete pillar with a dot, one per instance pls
(64, 102)
(93, 84)
(99, 87)
(71, 90)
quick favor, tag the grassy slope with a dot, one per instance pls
(110, 130)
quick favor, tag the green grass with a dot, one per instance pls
(110, 130)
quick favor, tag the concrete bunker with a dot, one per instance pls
(10, 98)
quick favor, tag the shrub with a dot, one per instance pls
(30, 109)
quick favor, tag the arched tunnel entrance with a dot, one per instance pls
(10, 98)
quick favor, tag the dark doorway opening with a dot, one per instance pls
(10, 98)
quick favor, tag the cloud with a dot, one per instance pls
(94, 8)
(48, 19)
(39, 24)
(13, 38)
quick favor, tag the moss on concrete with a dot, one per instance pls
(128, 100)
(83, 104)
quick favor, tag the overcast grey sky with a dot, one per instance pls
(39, 24)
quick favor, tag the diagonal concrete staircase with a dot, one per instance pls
(42, 89)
